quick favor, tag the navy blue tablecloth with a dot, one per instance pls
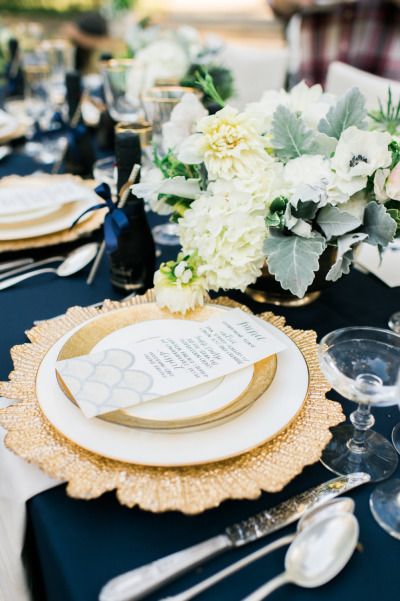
(73, 547)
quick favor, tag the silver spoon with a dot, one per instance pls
(74, 262)
(22, 268)
(317, 555)
(333, 507)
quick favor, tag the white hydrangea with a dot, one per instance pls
(228, 144)
(308, 102)
(226, 229)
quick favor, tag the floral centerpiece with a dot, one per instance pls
(176, 55)
(280, 182)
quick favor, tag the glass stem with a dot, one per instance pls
(362, 420)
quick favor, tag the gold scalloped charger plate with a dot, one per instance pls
(201, 405)
(63, 234)
(269, 415)
(190, 489)
(50, 222)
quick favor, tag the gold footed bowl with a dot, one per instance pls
(267, 290)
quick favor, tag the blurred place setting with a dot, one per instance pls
(199, 300)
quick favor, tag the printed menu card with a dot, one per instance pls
(119, 378)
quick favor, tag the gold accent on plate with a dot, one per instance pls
(83, 341)
(18, 132)
(192, 489)
(86, 227)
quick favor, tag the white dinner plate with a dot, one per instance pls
(61, 219)
(8, 124)
(269, 415)
(30, 215)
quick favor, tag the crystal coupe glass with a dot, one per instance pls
(394, 324)
(363, 365)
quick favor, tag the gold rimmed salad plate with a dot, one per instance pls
(199, 406)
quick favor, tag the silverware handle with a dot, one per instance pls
(22, 268)
(268, 588)
(24, 276)
(146, 579)
(234, 567)
(5, 266)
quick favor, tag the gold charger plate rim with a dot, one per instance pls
(190, 490)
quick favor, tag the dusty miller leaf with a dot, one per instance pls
(344, 256)
(349, 110)
(334, 222)
(378, 225)
(293, 260)
(290, 136)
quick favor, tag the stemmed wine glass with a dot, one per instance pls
(363, 365)
(158, 103)
(123, 79)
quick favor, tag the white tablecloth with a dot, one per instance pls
(19, 481)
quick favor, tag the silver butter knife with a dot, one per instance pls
(142, 581)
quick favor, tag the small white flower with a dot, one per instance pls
(182, 122)
(358, 155)
(180, 294)
(228, 144)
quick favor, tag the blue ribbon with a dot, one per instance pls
(115, 221)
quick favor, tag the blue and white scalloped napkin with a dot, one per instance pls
(120, 378)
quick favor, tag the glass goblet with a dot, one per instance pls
(59, 55)
(159, 102)
(123, 79)
(394, 324)
(363, 365)
(385, 506)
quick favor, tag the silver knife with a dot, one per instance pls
(142, 581)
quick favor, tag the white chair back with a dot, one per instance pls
(341, 77)
(255, 70)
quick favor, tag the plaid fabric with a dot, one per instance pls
(365, 34)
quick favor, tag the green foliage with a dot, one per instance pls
(378, 225)
(393, 208)
(276, 215)
(349, 110)
(290, 136)
(387, 118)
(293, 260)
(345, 255)
(334, 222)
(205, 82)
(394, 147)
(222, 79)
(171, 167)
